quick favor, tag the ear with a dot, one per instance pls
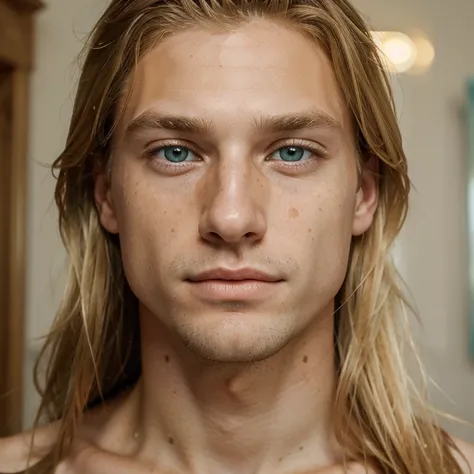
(104, 203)
(366, 198)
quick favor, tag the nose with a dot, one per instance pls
(233, 211)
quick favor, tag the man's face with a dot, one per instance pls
(236, 152)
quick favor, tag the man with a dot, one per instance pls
(232, 182)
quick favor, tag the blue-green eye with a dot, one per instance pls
(173, 153)
(292, 153)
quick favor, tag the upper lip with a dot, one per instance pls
(235, 275)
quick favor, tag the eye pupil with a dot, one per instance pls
(176, 154)
(291, 153)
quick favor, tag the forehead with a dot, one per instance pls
(259, 69)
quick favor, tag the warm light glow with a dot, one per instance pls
(426, 52)
(400, 52)
(398, 49)
(405, 54)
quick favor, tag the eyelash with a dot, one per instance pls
(317, 152)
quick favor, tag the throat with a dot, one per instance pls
(204, 415)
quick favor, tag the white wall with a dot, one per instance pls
(433, 245)
(61, 30)
(434, 240)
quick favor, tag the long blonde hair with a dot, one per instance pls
(93, 349)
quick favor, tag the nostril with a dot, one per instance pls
(238, 227)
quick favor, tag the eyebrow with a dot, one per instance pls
(314, 118)
(152, 120)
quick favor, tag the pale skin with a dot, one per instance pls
(229, 385)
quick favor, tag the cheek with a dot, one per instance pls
(323, 232)
(327, 214)
(149, 224)
(328, 235)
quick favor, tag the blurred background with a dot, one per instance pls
(435, 58)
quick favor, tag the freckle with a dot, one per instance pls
(280, 460)
(320, 209)
(171, 440)
(172, 231)
(305, 359)
(174, 392)
(309, 231)
(167, 358)
(293, 213)
(301, 448)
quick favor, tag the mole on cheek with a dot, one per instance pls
(293, 213)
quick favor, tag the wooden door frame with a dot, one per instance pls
(16, 51)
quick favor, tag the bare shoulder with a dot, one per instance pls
(98, 433)
(25, 450)
(467, 450)
(12, 455)
(16, 452)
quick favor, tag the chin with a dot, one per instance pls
(235, 342)
(235, 355)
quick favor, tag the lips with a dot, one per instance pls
(234, 275)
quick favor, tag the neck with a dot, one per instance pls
(208, 414)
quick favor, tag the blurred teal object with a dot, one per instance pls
(470, 208)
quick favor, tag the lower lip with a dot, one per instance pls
(233, 289)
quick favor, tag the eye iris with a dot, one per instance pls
(176, 154)
(291, 153)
